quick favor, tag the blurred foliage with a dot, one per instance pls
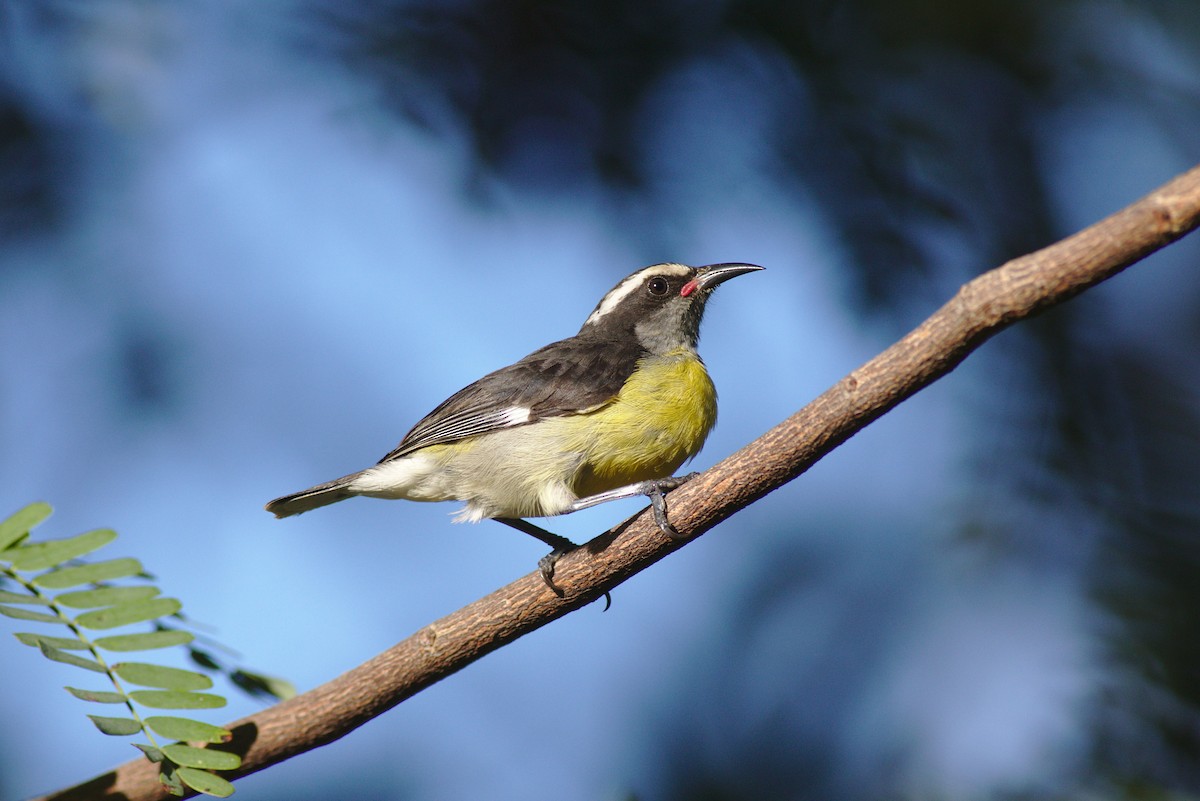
(1147, 573)
(905, 118)
(41, 137)
(31, 185)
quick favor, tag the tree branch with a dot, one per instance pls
(980, 309)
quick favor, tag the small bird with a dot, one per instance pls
(609, 413)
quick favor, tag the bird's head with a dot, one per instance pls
(660, 305)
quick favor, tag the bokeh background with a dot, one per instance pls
(244, 246)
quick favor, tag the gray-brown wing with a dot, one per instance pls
(565, 377)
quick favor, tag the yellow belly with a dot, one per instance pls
(659, 420)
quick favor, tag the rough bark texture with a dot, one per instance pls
(979, 310)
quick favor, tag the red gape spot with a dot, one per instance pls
(689, 288)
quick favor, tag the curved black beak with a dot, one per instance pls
(714, 274)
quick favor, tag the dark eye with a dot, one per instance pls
(658, 286)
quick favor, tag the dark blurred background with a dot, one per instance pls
(243, 247)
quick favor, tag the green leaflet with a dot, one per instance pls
(124, 614)
(59, 655)
(97, 696)
(18, 613)
(62, 643)
(168, 678)
(258, 684)
(203, 658)
(173, 699)
(187, 729)
(20, 598)
(51, 553)
(169, 780)
(91, 573)
(18, 526)
(189, 756)
(145, 641)
(204, 782)
(153, 754)
(105, 596)
(117, 727)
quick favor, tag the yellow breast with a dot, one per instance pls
(659, 420)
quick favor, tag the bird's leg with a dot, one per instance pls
(561, 545)
(654, 489)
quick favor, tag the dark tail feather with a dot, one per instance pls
(313, 497)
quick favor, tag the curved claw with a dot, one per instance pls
(655, 491)
(546, 567)
(658, 503)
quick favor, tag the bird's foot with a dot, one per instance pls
(547, 563)
(656, 492)
(546, 567)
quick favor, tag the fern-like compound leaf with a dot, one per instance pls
(58, 565)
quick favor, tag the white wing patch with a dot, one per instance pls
(516, 415)
(626, 287)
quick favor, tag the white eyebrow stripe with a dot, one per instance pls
(626, 287)
(618, 294)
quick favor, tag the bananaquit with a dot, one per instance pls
(609, 413)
